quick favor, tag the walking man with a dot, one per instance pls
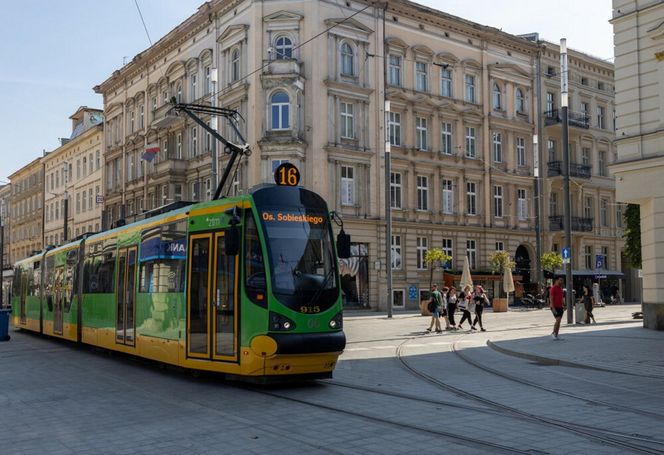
(435, 306)
(557, 305)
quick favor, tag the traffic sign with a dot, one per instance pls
(567, 254)
(599, 261)
(100, 199)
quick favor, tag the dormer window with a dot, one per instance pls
(347, 60)
(284, 48)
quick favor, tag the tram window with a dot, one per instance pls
(70, 279)
(91, 268)
(36, 282)
(49, 282)
(254, 264)
(163, 258)
(99, 269)
(16, 283)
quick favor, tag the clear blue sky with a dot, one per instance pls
(54, 52)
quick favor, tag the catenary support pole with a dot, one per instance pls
(564, 105)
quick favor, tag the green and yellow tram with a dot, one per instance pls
(247, 286)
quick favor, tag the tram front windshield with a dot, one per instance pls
(301, 257)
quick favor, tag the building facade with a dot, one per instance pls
(74, 171)
(463, 113)
(597, 219)
(638, 27)
(26, 211)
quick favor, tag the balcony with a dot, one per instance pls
(577, 119)
(556, 223)
(165, 117)
(282, 67)
(555, 168)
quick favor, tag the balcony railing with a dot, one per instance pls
(578, 119)
(555, 168)
(556, 223)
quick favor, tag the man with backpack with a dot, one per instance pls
(435, 307)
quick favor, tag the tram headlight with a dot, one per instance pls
(280, 323)
(337, 321)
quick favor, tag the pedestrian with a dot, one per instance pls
(588, 303)
(451, 306)
(464, 304)
(557, 306)
(480, 298)
(443, 312)
(435, 306)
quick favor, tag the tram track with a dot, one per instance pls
(602, 436)
(516, 379)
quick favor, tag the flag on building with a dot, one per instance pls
(151, 151)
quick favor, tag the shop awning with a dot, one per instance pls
(593, 273)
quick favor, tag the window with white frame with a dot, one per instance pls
(605, 257)
(471, 253)
(619, 215)
(553, 204)
(600, 117)
(178, 92)
(447, 249)
(164, 194)
(521, 151)
(280, 104)
(604, 212)
(347, 185)
(193, 80)
(284, 48)
(446, 83)
(131, 121)
(471, 151)
(235, 65)
(498, 201)
(522, 204)
(588, 257)
(396, 252)
(421, 133)
(178, 192)
(194, 141)
(500, 246)
(421, 76)
(585, 110)
(141, 116)
(496, 97)
(471, 198)
(551, 149)
(347, 121)
(194, 191)
(601, 161)
(469, 88)
(448, 196)
(208, 140)
(178, 146)
(395, 129)
(208, 189)
(395, 70)
(520, 101)
(446, 129)
(347, 60)
(395, 190)
(422, 246)
(497, 147)
(208, 80)
(422, 192)
(398, 298)
(585, 156)
(276, 163)
(550, 104)
(588, 207)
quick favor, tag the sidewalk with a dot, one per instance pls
(616, 344)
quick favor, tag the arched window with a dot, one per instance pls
(235, 65)
(280, 111)
(347, 56)
(520, 101)
(497, 97)
(284, 47)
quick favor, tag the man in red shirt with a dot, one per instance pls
(557, 305)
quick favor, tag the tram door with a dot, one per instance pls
(211, 299)
(125, 327)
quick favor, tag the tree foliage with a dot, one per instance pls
(551, 261)
(632, 235)
(501, 260)
(434, 258)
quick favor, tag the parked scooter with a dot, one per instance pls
(531, 301)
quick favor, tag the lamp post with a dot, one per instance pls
(564, 105)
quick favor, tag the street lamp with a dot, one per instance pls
(564, 105)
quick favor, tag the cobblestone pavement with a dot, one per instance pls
(397, 390)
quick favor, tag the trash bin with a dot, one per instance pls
(4, 324)
(579, 313)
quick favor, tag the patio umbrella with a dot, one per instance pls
(466, 279)
(508, 281)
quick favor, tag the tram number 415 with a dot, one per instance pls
(287, 175)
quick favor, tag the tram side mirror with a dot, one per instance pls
(232, 241)
(343, 245)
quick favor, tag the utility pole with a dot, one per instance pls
(537, 143)
(214, 124)
(388, 177)
(564, 105)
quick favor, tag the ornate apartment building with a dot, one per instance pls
(27, 199)
(310, 79)
(638, 27)
(597, 219)
(74, 170)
